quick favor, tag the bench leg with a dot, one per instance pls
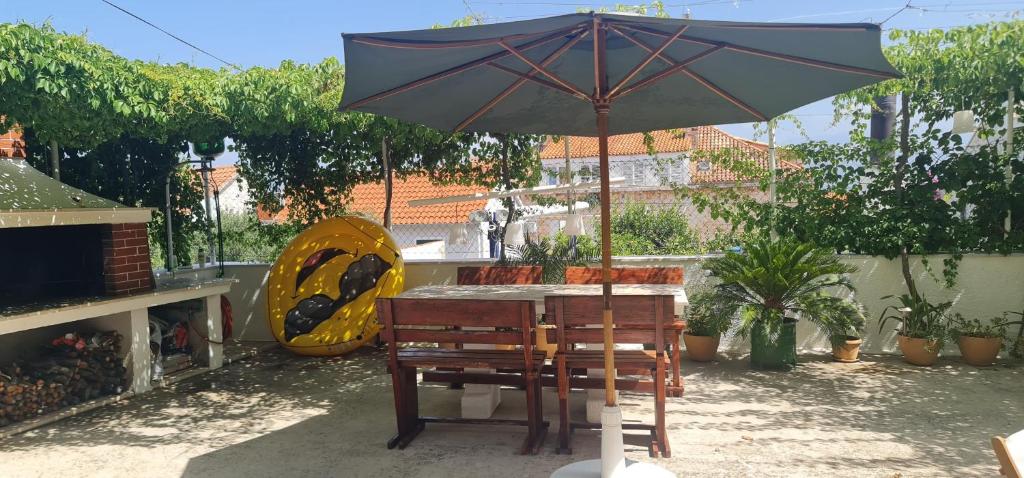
(563, 408)
(534, 415)
(403, 381)
(659, 409)
(677, 379)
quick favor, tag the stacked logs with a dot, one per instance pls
(73, 370)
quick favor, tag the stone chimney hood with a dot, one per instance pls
(29, 198)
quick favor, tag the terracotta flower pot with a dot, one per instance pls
(846, 349)
(700, 348)
(921, 352)
(980, 351)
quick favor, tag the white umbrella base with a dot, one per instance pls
(613, 463)
(592, 469)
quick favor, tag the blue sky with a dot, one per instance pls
(263, 32)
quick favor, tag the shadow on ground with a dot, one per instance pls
(281, 415)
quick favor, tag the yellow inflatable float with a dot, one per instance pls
(322, 288)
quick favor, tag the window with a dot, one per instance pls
(587, 174)
(703, 165)
(420, 242)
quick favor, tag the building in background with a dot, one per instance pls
(676, 163)
(422, 232)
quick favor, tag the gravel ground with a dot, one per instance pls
(281, 415)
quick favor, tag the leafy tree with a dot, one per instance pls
(923, 192)
(247, 240)
(641, 230)
(69, 90)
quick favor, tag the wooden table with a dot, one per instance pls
(480, 401)
(536, 293)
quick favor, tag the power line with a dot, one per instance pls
(176, 37)
(897, 12)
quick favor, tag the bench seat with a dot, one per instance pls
(624, 359)
(463, 358)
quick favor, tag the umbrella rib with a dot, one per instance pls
(674, 68)
(519, 82)
(779, 26)
(540, 69)
(650, 57)
(463, 67)
(428, 45)
(678, 66)
(725, 94)
(768, 54)
(541, 81)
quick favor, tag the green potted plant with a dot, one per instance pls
(773, 284)
(845, 335)
(706, 321)
(923, 327)
(980, 343)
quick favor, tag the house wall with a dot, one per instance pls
(638, 170)
(988, 286)
(233, 198)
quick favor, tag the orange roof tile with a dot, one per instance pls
(368, 199)
(222, 176)
(706, 138)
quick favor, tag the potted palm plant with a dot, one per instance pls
(923, 327)
(845, 336)
(980, 343)
(706, 321)
(772, 284)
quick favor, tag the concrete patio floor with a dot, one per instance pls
(282, 415)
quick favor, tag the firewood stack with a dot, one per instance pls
(75, 369)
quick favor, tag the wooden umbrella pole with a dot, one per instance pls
(601, 108)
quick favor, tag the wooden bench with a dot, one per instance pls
(485, 275)
(625, 275)
(500, 275)
(638, 319)
(643, 275)
(408, 321)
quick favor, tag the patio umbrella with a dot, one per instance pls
(599, 74)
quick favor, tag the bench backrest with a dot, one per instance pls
(500, 275)
(638, 319)
(1010, 453)
(511, 322)
(625, 275)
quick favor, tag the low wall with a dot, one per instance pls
(988, 285)
(248, 297)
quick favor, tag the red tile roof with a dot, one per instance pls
(222, 176)
(706, 138)
(368, 199)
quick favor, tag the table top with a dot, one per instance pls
(537, 292)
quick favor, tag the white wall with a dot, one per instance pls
(988, 286)
(233, 199)
(639, 170)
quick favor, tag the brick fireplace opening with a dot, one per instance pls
(59, 262)
(126, 264)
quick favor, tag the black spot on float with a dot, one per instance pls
(360, 277)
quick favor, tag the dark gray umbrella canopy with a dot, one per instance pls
(597, 74)
(483, 78)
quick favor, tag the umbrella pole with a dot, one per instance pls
(606, 257)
